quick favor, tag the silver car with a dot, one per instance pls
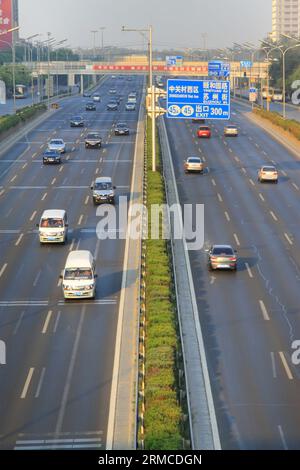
(231, 131)
(222, 257)
(58, 145)
(193, 164)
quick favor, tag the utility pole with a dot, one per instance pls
(94, 32)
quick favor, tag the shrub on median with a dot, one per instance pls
(11, 120)
(162, 419)
(289, 125)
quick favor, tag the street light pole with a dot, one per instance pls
(152, 88)
(94, 32)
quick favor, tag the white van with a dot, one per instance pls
(79, 277)
(53, 226)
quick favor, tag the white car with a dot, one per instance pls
(268, 173)
(231, 130)
(130, 106)
(58, 145)
(96, 97)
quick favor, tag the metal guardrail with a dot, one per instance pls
(203, 423)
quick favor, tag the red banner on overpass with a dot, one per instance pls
(156, 68)
(5, 23)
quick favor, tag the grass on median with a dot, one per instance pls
(289, 125)
(163, 413)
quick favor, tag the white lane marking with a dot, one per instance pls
(33, 216)
(264, 310)
(274, 216)
(213, 182)
(265, 153)
(249, 270)
(284, 173)
(250, 138)
(243, 170)
(64, 401)
(282, 437)
(37, 278)
(13, 179)
(261, 197)
(19, 322)
(19, 239)
(227, 216)
(34, 154)
(53, 181)
(27, 382)
(86, 200)
(44, 197)
(220, 197)
(37, 393)
(61, 169)
(56, 321)
(59, 282)
(25, 165)
(204, 159)
(2, 192)
(230, 150)
(273, 365)
(236, 239)
(251, 181)
(72, 245)
(236, 159)
(47, 320)
(41, 146)
(3, 269)
(97, 171)
(256, 145)
(288, 238)
(285, 365)
(77, 245)
(295, 186)
(80, 219)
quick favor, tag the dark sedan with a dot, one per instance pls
(77, 121)
(51, 156)
(121, 129)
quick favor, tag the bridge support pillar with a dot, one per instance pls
(81, 84)
(71, 79)
(94, 79)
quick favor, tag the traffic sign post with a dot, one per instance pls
(204, 99)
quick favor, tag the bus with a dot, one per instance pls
(264, 92)
(21, 91)
(277, 95)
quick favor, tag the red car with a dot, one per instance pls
(204, 131)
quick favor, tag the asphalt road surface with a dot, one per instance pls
(55, 388)
(249, 318)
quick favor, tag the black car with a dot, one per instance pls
(121, 129)
(51, 156)
(87, 94)
(90, 106)
(112, 106)
(77, 121)
(93, 140)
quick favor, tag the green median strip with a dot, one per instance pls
(164, 426)
(22, 115)
(290, 125)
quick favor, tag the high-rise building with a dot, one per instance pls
(285, 18)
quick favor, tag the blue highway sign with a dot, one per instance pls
(218, 68)
(204, 99)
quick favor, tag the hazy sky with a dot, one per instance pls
(176, 23)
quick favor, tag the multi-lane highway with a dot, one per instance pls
(249, 317)
(55, 388)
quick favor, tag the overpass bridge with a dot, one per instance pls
(75, 71)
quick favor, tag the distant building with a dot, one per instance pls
(285, 18)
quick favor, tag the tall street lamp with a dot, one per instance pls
(94, 32)
(102, 28)
(149, 31)
(283, 53)
(12, 46)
